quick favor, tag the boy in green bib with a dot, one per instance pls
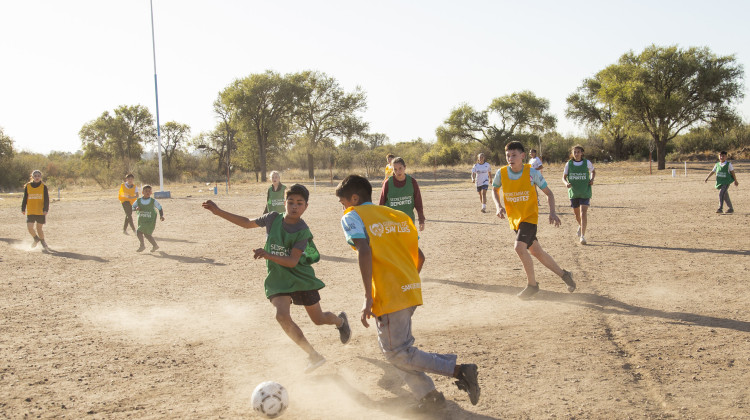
(578, 176)
(275, 195)
(724, 178)
(289, 253)
(146, 208)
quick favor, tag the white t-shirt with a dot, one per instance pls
(482, 173)
(590, 166)
(535, 162)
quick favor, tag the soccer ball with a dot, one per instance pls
(270, 399)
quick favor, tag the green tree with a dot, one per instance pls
(668, 89)
(586, 106)
(504, 119)
(323, 111)
(174, 137)
(263, 104)
(6, 160)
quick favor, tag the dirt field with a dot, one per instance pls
(658, 328)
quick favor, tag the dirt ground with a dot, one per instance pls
(658, 328)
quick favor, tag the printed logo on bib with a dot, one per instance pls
(145, 214)
(35, 197)
(722, 174)
(279, 250)
(400, 201)
(277, 202)
(407, 287)
(380, 229)
(577, 176)
(515, 197)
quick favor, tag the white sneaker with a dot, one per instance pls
(578, 233)
(583, 240)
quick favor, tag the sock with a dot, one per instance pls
(484, 206)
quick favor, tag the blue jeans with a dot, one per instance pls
(397, 344)
(724, 197)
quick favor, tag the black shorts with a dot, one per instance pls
(526, 233)
(38, 218)
(305, 297)
(483, 187)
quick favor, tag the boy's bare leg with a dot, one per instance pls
(39, 230)
(284, 318)
(583, 221)
(30, 227)
(528, 263)
(577, 212)
(318, 317)
(544, 258)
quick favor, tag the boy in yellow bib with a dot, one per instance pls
(127, 196)
(385, 240)
(519, 195)
(35, 206)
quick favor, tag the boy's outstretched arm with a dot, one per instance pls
(499, 207)
(234, 218)
(709, 175)
(735, 178)
(551, 202)
(364, 256)
(286, 261)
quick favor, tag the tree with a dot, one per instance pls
(6, 147)
(518, 113)
(174, 136)
(667, 89)
(118, 137)
(324, 111)
(263, 105)
(588, 107)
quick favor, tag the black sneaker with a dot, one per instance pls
(468, 381)
(155, 247)
(720, 211)
(528, 292)
(36, 242)
(44, 244)
(140, 248)
(730, 211)
(345, 332)
(433, 401)
(568, 279)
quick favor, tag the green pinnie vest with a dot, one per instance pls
(579, 177)
(146, 216)
(401, 198)
(723, 177)
(276, 199)
(299, 278)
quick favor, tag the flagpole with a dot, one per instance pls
(158, 126)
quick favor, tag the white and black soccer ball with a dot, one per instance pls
(270, 399)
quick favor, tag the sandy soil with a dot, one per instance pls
(658, 328)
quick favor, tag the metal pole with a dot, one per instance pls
(156, 91)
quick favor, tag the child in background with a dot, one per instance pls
(724, 178)
(146, 208)
(388, 166)
(128, 194)
(480, 174)
(289, 253)
(275, 194)
(578, 177)
(386, 246)
(35, 206)
(536, 163)
(517, 181)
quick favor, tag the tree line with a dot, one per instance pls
(667, 100)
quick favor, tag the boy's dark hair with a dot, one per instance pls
(399, 160)
(515, 145)
(355, 184)
(390, 156)
(298, 189)
(146, 186)
(532, 151)
(129, 176)
(723, 152)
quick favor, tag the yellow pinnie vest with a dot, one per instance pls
(35, 200)
(519, 197)
(126, 194)
(393, 241)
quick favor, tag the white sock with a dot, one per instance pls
(484, 206)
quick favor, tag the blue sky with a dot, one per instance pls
(64, 63)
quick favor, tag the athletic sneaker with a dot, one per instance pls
(528, 292)
(154, 248)
(345, 333)
(578, 233)
(44, 245)
(315, 361)
(720, 211)
(568, 277)
(36, 242)
(125, 231)
(468, 381)
(433, 401)
(583, 240)
(730, 211)
(484, 210)
(140, 248)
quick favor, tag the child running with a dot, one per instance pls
(386, 246)
(401, 192)
(480, 174)
(724, 178)
(35, 206)
(578, 177)
(275, 194)
(517, 181)
(128, 194)
(536, 163)
(146, 208)
(289, 253)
